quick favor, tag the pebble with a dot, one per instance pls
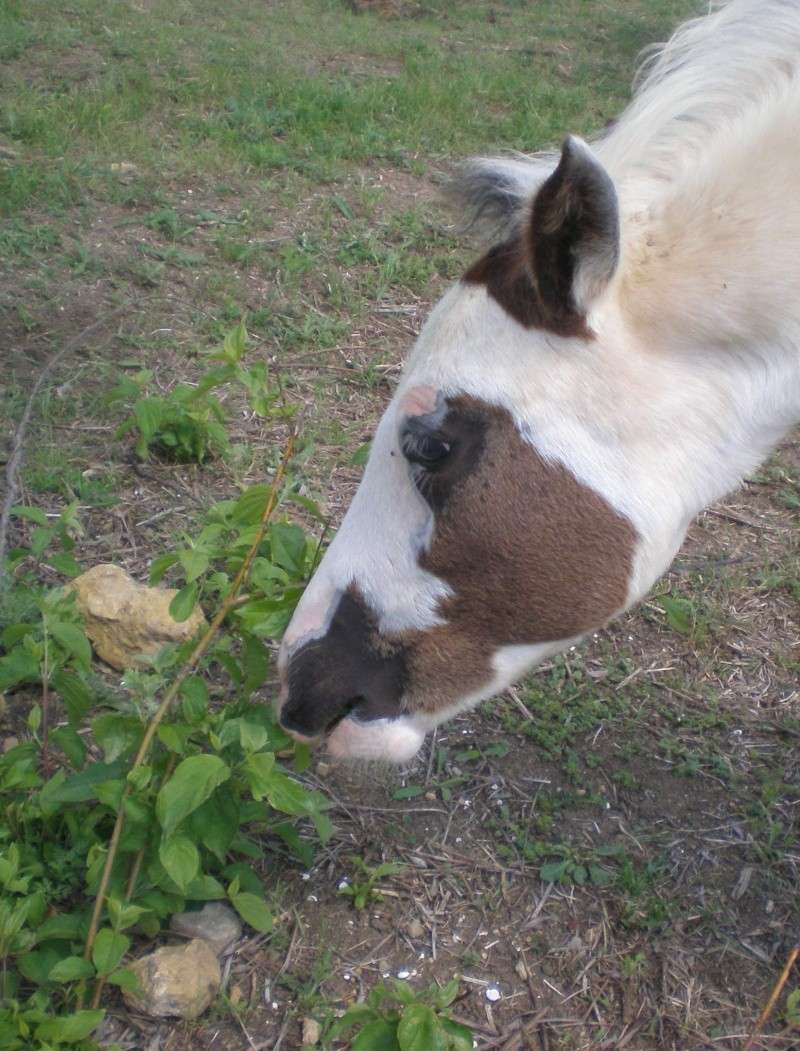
(216, 923)
(311, 1032)
(416, 929)
(493, 994)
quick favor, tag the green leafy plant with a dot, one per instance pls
(152, 794)
(362, 889)
(187, 425)
(397, 1018)
(571, 866)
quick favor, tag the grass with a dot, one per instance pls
(198, 163)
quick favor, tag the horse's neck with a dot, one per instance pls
(712, 279)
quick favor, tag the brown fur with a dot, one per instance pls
(531, 554)
(532, 275)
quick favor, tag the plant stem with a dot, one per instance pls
(776, 992)
(188, 667)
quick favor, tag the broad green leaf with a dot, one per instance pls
(459, 1036)
(258, 770)
(180, 859)
(194, 699)
(75, 694)
(288, 546)
(205, 888)
(253, 910)
(552, 871)
(180, 608)
(117, 734)
(447, 993)
(70, 969)
(216, 823)
(190, 786)
(17, 667)
(287, 795)
(123, 914)
(160, 565)
(249, 508)
(255, 662)
(378, 1036)
(65, 563)
(63, 927)
(71, 744)
(149, 413)
(73, 639)
(680, 615)
(82, 786)
(252, 735)
(194, 563)
(126, 980)
(108, 950)
(361, 455)
(33, 514)
(419, 1030)
(70, 1029)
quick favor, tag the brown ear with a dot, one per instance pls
(573, 237)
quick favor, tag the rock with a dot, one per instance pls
(416, 929)
(126, 621)
(177, 980)
(9, 743)
(123, 168)
(216, 923)
(311, 1032)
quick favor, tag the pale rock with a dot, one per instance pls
(178, 980)
(123, 168)
(216, 923)
(312, 1031)
(416, 929)
(126, 621)
(9, 743)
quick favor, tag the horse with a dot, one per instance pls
(625, 353)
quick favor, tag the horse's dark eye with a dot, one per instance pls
(425, 449)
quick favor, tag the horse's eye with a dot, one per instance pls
(425, 449)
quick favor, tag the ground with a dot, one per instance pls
(168, 168)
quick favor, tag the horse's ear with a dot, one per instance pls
(574, 234)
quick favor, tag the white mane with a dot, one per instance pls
(713, 70)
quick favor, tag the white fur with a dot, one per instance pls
(694, 373)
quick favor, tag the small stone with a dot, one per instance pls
(311, 1032)
(216, 923)
(178, 980)
(123, 168)
(416, 929)
(323, 769)
(9, 743)
(126, 621)
(403, 975)
(493, 994)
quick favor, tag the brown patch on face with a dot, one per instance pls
(532, 555)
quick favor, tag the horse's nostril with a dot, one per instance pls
(312, 720)
(347, 708)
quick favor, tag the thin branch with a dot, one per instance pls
(191, 663)
(774, 996)
(18, 446)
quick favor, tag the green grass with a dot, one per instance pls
(216, 90)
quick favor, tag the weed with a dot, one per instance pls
(362, 888)
(395, 1016)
